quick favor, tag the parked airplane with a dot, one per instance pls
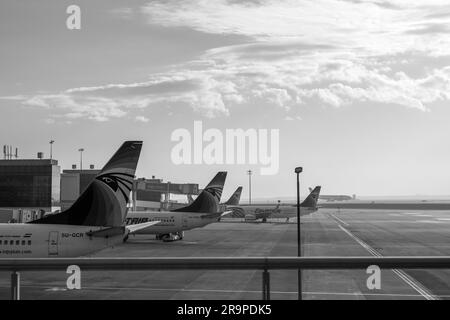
(205, 209)
(233, 201)
(256, 212)
(95, 221)
(334, 197)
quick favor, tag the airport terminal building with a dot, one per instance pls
(32, 185)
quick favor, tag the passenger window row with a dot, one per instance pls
(15, 242)
(162, 220)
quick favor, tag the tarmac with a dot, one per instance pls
(328, 232)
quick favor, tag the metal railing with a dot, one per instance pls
(219, 263)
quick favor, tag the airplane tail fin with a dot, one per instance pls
(104, 201)
(235, 198)
(209, 199)
(312, 198)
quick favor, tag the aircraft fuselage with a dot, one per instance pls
(263, 212)
(170, 222)
(23, 240)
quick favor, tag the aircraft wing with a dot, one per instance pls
(139, 226)
(106, 232)
(215, 215)
(114, 231)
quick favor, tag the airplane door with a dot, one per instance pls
(185, 221)
(53, 238)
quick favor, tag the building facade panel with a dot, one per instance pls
(29, 184)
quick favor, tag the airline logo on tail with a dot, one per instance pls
(235, 198)
(209, 199)
(118, 181)
(215, 187)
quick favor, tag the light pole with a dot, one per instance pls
(249, 172)
(168, 196)
(298, 170)
(81, 159)
(51, 150)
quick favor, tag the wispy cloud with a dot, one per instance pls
(142, 119)
(333, 52)
(123, 12)
(371, 26)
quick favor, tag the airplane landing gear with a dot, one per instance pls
(170, 236)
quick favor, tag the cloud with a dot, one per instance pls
(337, 52)
(431, 29)
(13, 98)
(321, 77)
(123, 13)
(289, 118)
(324, 52)
(92, 107)
(371, 26)
(49, 121)
(142, 119)
(197, 90)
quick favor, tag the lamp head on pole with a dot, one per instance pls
(298, 170)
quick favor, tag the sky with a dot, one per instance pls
(358, 89)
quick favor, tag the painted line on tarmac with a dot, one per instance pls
(400, 273)
(180, 290)
(341, 221)
(390, 221)
(55, 289)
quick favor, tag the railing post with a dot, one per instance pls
(266, 285)
(15, 285)
(300, 289)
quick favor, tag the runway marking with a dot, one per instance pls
(341, 221)
(387, 221)
(57, 289)
(364, 294)
(400, 273)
